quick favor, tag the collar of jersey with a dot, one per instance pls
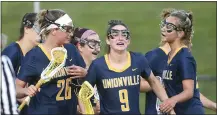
(20, 47)
(165, 51)
(177, 50)
(44, 51)
(128, 64)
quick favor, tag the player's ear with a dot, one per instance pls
(26, 30)
(53, 32)
(181, 34)
(128, 43)
(80, 48)
(107, 41)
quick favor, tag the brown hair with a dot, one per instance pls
(28, 21)
(81, 34)
(107, 48)
(111, 24)
(47, 17)
(166, 13)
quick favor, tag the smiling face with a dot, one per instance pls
(118, 39)
(91, 47)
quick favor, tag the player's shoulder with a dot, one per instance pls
(99, 61)
(35, 51)
(186, 54)
(157, 50)
(152, 52)
(69, 46)
(137, 57)
(135, 54)
(13, 44)
(71, 49)
(13, 47)
(156, 53)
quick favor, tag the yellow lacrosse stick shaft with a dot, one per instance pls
(27, 99)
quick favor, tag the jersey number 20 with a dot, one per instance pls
(123, 95)
(61, 84)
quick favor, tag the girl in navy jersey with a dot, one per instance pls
(88, 43)
(157, 59)
(55, 97)
(117, 74)
(27, 40)
(179, 75)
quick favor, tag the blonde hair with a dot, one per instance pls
(47, 17)
(164, 14)
(185, 23)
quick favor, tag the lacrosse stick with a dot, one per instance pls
(58, 58)
(84, 95)
(96, 95)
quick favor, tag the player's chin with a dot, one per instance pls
(121, 48)
(163, 38)
(67, 41)
(94, 57)
(169, 40)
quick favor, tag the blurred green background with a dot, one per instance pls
(143, 19)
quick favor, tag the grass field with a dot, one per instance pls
(143, 20)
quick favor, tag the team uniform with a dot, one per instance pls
(14, 52)
(57, 96)
(119, 89)
(182, 66)
(157, 59)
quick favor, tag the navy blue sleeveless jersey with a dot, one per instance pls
(56, 96)
(181, 67)
(119, 89)
(14, 52)
(157, 60)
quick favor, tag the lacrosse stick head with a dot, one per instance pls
(86, 91)
(84, 95)
(58, 58)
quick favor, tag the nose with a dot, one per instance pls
(97, 48)
(120, 37)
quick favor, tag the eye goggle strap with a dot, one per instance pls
(62, 21)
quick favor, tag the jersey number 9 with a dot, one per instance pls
(123, 96)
